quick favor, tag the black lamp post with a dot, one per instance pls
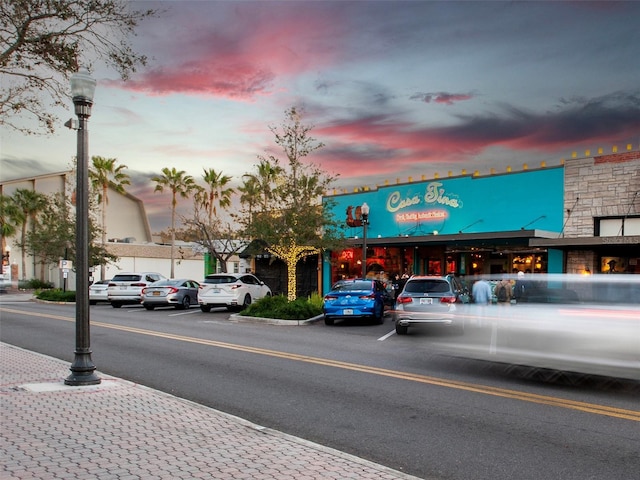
(82, 368)
(364, 209)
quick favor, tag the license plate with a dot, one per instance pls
(156, 293)
(426, 301)
(215, 290)
(123, 287)
(347, 311)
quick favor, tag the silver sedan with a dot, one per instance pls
(180, 293)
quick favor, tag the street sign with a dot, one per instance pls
(66, 265)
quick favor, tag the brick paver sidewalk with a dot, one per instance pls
(120, 430)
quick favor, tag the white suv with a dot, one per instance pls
(235, 291)
(126, 288)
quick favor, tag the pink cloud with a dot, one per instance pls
(219, 62)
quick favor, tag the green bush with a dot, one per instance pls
(34, 284)
(56, 295)
(280, 307)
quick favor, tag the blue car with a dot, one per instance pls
(358, 298)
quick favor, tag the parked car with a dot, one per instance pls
(126, 288)
(180, 293)
(430, 300)
(236, 291)
(98, 292)
(357, 298)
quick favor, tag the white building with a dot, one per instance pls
(128, 233)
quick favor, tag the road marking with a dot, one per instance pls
(191, 312)
(621, 413)
(384, 337)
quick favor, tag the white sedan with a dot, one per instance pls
(98, 292)
(236, 291)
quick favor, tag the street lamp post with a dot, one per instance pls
(364, 209)
(82, 369)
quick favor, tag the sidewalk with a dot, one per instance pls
(121, 430)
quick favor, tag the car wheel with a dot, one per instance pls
(246, 302)
(185, 304)
(328, 321)
(116, 304)
(378, 315)
(401, 329)
(205, 308)
(148, 307)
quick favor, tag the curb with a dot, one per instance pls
(236, 317)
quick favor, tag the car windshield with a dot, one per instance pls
(126, 278)
(427, 286)
(221, 279)
(352, 286)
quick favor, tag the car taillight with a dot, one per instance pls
(233, 287)
(371, 296)
(330, 297)
(144, 290)
(138, 284)
(172, 290)
(404, 299)
(112, 285)
(448, 300)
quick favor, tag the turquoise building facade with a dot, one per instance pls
(465, 225)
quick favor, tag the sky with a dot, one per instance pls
(393, 89)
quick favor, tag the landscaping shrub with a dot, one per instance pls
(56, 295)
(280, 307)
(34, 284)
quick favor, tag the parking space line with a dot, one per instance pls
(383, 338)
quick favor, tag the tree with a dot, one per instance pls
(179, 184)
(54, 235)
(30, 203)
(290, 218)
(42, 42)
(218, 238)
(9, 215)
(217, 192)
(103, 174)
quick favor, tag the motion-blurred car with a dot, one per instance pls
(180, 293)
(236, 291)
(126, 288)
(429, 300)
(357, 298)
(98, 292)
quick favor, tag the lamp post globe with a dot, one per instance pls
(82, 369)
(364, 209)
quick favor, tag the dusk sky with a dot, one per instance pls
(394, 89)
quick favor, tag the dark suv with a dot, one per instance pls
(430, 300)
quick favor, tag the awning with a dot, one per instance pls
(503, 238)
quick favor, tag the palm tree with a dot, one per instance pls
(9, 216)
(217, 192)
(104, 174)
(249, 193)
(29, 203)
(179, 184)
(265, 181)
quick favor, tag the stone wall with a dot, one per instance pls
(601, 186)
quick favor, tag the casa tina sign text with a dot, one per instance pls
(434, 195)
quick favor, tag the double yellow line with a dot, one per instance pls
(621, 413)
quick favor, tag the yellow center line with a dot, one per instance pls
(633, 415)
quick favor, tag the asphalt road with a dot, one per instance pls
(361, 389)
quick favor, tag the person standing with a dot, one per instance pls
(503, 292)
(481, 292)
